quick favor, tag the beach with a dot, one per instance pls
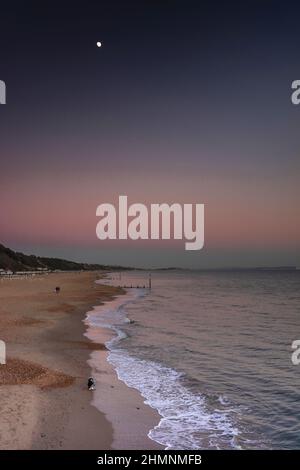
(44, 400)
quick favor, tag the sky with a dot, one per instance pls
(185, 102)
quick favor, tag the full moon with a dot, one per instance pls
(99, 44)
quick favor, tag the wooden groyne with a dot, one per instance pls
(137, 286)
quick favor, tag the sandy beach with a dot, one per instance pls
(44, 401)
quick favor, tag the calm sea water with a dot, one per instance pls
(211, 351)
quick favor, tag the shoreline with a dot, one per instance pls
(120, 403)
(44, 400)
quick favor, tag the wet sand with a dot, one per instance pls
(123, 406)
(44, 401)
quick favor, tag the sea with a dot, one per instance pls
(211, 352)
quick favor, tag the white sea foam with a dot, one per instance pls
(187, 422)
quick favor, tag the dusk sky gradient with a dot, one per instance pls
(185, 102)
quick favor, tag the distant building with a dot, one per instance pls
(6, 272)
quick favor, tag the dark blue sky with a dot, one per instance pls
(186, 101)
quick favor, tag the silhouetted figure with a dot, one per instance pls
(57, 290)
(91, 383)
